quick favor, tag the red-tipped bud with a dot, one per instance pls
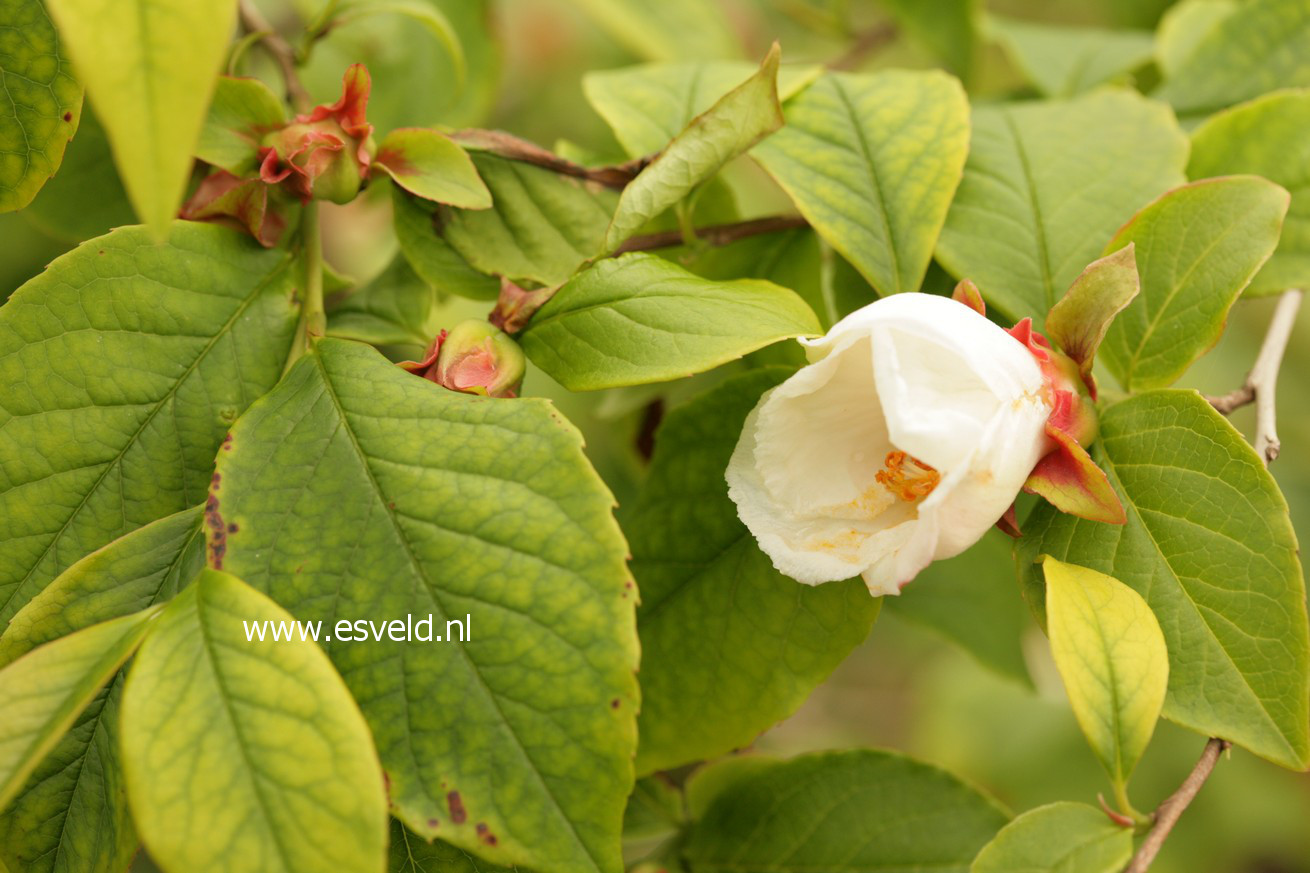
(480, 358)
(476, 357)
(324, 154)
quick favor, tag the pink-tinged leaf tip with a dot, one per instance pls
(967, 293)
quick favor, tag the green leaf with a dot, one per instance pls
(413, 85)
(395, 309)
(425, 502)
(428, 14)
(1264, 47)
(1183, 27)
(149, 69)
(246, 754)
(638, 318)
(42, 694)
(1209, 545)
(73, 807)
(71, 814)
(1065, 61)
(1197, 247)
(135, 571)
(41, 104)
(872, 162)
(431, 165)
(1047, 185)
(86, 199)
(843, 811)
(791, 258)
(431, 257)
(411, 854)
(739, 119)
(1266, 137)
(540, 228)
(730, 646)
(1111, 655)
(669, 30)
(947, 29)
(970, 599)
(1058, 838)
(242, 112)
(654, 810)
(121, 368)
(648, 105)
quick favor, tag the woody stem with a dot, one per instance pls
(279, 49)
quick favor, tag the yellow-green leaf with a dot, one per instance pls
(740, 119)
(1266, 137)
(245, 755)
(1197, 247)
(42, 693)
(1058, 838)
(872, 161)
(1111, 654)
(150, 67)
(40, 102)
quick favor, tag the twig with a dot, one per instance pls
(865, 44)
(715, 235)
(1261, 382)
(513, 148)
(1166, 815)
(279, 49)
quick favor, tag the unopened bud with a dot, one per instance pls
(479, 358)
(324, 154)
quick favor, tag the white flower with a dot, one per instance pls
(907, 436)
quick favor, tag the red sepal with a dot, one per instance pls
(1067, 476)
(427, 368)
(350, 111)
(1008, 524)
(245, 201)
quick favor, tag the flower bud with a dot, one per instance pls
(479, 358)
(324, 154)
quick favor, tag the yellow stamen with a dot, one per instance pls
(907, 477)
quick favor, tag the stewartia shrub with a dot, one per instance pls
(316, 344)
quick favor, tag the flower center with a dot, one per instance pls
(907, 477)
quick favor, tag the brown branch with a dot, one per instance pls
(865, 44)
(515, 149)
(1261, 382)
(279, 50)
(715, 235)
(1167, 814)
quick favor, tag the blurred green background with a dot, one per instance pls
(1003, 724)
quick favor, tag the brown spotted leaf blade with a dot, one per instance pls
(355, 490)
(121, 368)
(40, 101)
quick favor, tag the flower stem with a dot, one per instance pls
(313, 321)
